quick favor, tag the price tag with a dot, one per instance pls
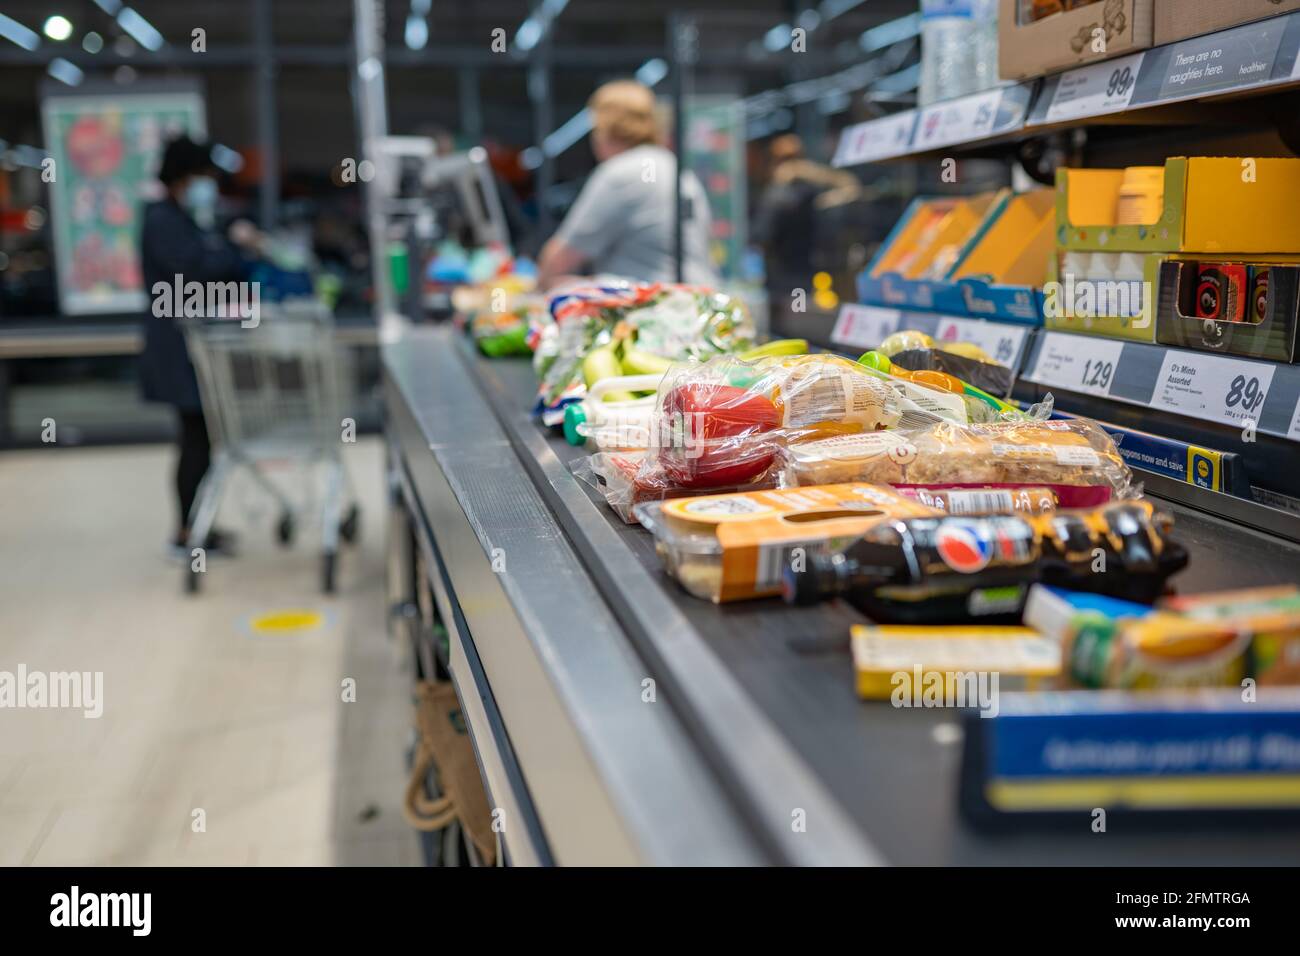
(1229, 59)
(1002, 342)
(864, 326)
(876, 140)
(1212, 387)
(1294, 431)
(1096, 89)
(1077, 363)
(957, 121)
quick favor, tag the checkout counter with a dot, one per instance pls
(617, 720)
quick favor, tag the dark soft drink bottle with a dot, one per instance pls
(960, 569)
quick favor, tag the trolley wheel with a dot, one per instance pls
(350, 525)
(284, 530)
(191, 581)
(329, 565)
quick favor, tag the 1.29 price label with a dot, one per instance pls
(1077, 363)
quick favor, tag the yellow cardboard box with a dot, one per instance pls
(1212, 204)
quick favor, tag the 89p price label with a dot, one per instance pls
(1212, 387)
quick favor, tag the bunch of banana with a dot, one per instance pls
(622, 357)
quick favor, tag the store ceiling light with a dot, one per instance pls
(903, 81)
(777, 37)
(57, 27)
(887, 34)
(111, 7)
(65, 72)
(417, 32)
(140, 29)
(15, 32)
(532, 30)
(652, 71)
(577, 126)
(92, 42)
(830, 9)
(531, 158)
(223, 157)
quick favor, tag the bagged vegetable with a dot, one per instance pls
(627, 479)
(624, 328)
(722, 422)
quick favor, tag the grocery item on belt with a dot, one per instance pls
(503, 333)
(1211, 640)
(979, 405)
(956, 569)
(619, 423)
(1057, 755)
(989, 500)
(950, 666)
(1061, 614)
(1075, 458)
(732, 547)
(629, 478)
(722, 421)
(903, 341)
(993, 377)
(615, 327)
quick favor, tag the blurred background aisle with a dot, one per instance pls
(206, 706)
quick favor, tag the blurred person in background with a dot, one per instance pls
(622, 221)
(172, 243)
(788, 223)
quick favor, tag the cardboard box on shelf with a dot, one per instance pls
(1086, 34)
(1180, 19)
(983, 255)
(1191, 294)
(1108, 294)
(1208, 204)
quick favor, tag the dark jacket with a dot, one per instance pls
(171, 244)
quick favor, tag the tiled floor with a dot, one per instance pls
(200, 711)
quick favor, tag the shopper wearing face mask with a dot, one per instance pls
(177, 240)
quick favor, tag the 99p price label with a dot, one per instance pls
(1105, 87)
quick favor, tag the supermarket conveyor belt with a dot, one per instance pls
(761, 715)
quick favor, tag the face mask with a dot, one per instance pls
(201, 196)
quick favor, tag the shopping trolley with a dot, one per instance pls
(273, 391)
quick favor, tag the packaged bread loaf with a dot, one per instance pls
(1075, 458)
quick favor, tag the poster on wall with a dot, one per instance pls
(106, 144)
(715, 152)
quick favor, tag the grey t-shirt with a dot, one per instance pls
(622, 221)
